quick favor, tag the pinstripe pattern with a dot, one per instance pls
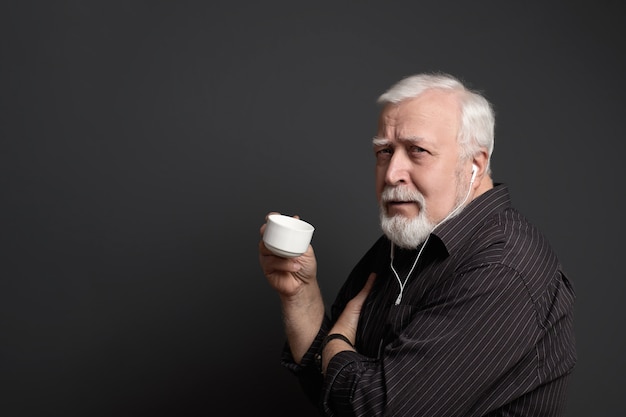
(484, 327)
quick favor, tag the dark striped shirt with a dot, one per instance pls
(484, 327)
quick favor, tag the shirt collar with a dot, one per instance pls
(454, 232)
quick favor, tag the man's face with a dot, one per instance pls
(417, 151)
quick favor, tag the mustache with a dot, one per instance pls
(397, 194)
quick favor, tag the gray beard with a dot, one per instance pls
(410, 233)
(403, 232)
(406, 233)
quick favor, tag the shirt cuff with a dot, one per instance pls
(342, 374)
(312, 355)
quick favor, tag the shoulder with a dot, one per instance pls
(510, 240)
(522, 243)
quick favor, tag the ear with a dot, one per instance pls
(480, 163)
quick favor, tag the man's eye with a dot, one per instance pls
(384, 153)
(417, 149)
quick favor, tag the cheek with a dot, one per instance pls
(422, 183)
(441, 200)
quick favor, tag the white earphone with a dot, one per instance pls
(474, 172)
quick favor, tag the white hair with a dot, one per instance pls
(477, 127)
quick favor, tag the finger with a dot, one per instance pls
(270, 213)
(362, 295)
(368, 285)
(264, 225)
(282, 265)
(263, 250)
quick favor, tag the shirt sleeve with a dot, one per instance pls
(475, 332)
(308, 371)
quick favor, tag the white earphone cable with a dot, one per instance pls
(403, 283)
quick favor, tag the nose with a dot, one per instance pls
(398, 169)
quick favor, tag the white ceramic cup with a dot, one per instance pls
(287, 236)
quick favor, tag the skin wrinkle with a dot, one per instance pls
(417, 149)
(436, 126)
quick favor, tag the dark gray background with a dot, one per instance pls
(142, 144)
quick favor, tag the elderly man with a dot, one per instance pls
(460, 308)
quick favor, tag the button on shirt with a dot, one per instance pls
(484, 327)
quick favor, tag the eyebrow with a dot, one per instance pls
(380, 141)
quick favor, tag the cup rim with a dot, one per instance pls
(291, 222)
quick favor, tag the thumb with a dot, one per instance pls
(348, 320)
(359, 299)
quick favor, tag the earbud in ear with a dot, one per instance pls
(474, 172)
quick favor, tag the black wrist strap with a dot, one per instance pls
(334, 336)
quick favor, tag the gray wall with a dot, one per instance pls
(142, 144)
